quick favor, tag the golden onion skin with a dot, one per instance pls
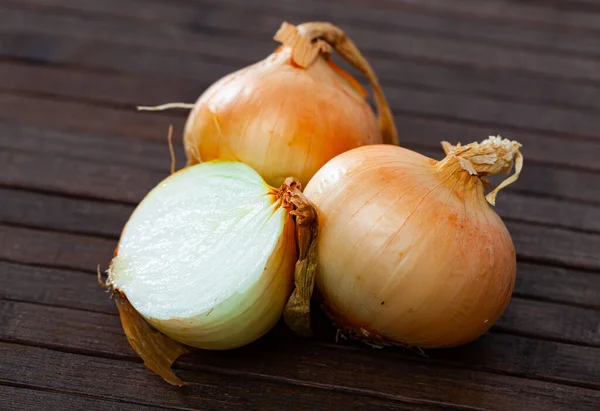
(281, 119)
(409, 251)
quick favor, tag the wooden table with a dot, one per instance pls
(76, 157)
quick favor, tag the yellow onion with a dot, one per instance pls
(409, 251)
(290, 113)
(208, 258)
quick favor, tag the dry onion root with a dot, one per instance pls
(409, 251)
(290, 113)
(209, 258)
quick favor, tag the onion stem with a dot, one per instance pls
(308, 40)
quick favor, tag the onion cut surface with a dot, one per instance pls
(409, 251)
(208, 256)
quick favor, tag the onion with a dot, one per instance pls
(409, 251)
(290, 113)
(208, 258)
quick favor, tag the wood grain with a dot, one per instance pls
(17, 399)
(419, 21)
(559, 19)
(522, 116)
(498, 352)
(395, 378)
(63, 213)
(537, 179)
(75, 159)
(46, 248)
(132, 382)
(532, 242)
(524, 317)
(127, 91)
(436, 48)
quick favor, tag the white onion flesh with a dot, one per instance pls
(208, 256)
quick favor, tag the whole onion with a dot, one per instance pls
(290, 113)
(409, 250)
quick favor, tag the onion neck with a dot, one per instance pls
(492, 156)
(313, 39)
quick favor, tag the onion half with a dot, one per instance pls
(409, 251)
(209, 258)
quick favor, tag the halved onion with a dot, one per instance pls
(208, 257)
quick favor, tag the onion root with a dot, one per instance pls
(158, 351)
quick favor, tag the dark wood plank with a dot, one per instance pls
(18, 399)
(420, 131)
(414, 20)
(495, 352)
(415, 73)
(127, 381)
(123, 89)
(386, 43)
(122, 182)
(552, 321)
(129, 184)
(55, 287)
(48, 112)
(85, 216)
(532, 242)
(556, 246)
(520, 116)
(77, 177)
(98, 335)
(549, 211)
(505, 115)
(503, 12)
(62, 213)
(537, 179)
(104, 151)
(558, 284)
(544, 283)
(96, 148)
(128, 91)
(439, 49)
(60, 250)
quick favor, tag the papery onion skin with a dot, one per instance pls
(409, 251)
(281, 119)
